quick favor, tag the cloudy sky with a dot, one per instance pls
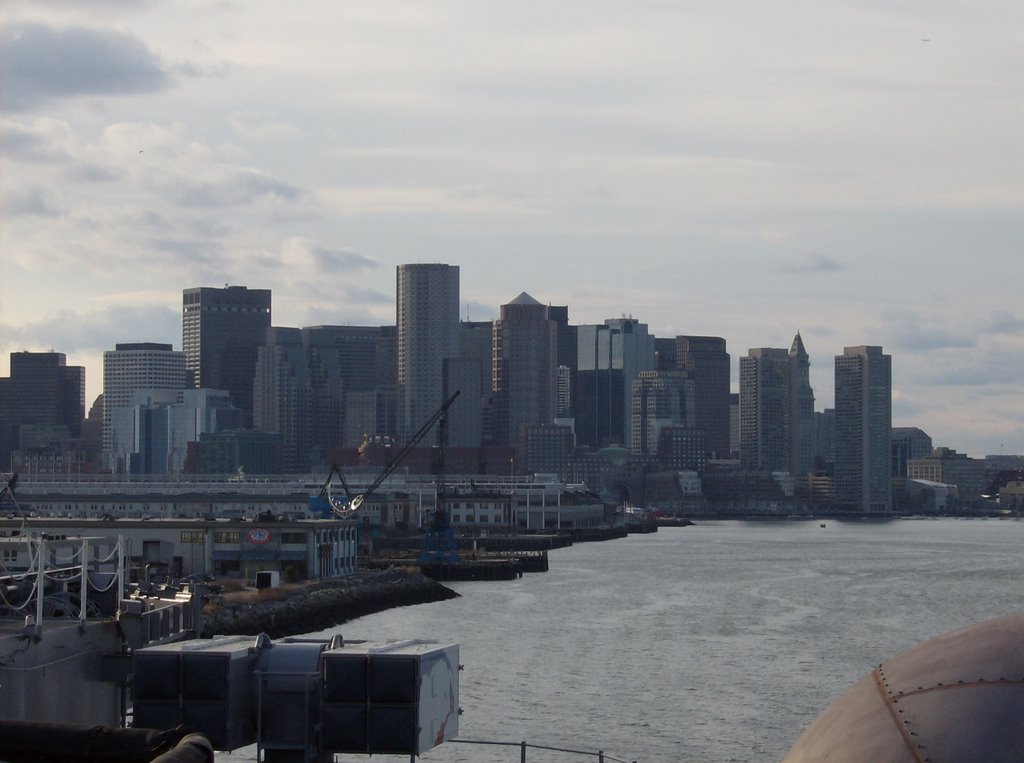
(850, 170)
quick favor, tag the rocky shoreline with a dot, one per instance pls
(318, 606)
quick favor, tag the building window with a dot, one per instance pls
(193, 536)
(227, 536)
(10, 555)
(296, 538)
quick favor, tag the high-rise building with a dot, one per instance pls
(800, 420)
(299, 393)
(610, 357)
(734, 424)
(764, 382)
(221, 330)
(565, 357)
(465, 416)
(908, 443)
(563, 392)
(661, 399)
(825, 439)
(777, 426)
(706, 360)
(428, 334)
(863, 399)
(42, 392)
(368, 414)
(128, 369)
(525, 345)
(665, 354)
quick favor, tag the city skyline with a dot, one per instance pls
(848, 173)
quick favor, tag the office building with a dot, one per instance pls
(298, 393)
(465, 416)
(547, 449)
(427, 309)
(661, 399)
(825, 439)
(565, 357)
(525, 360)
(705, 359)
(221, 330)
(863, 400)
(42, 393)
(966, 475)
(368, 414)
(908, 444)
(764, 383)
(156, 428)
(128, 369)
(610, 358)
(777, 425)
(800, 417)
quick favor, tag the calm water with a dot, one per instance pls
(718, 642)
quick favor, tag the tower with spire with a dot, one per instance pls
(801, 410)
(777, 410)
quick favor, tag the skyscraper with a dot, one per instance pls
(525, 352)
(800, 419)
(705, 359)
(220, 332)
(299, 393)
(661, 399)
(130, 368)
(764, 405)
(42, 392)
(863, 389)
(777, 426)
(428, 333)
(609, 358)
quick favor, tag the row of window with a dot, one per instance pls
(235, 537)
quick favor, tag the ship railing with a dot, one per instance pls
(601, 756)
(46, 563)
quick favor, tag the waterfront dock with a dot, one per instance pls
(292, 610)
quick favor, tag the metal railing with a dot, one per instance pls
(601, 756)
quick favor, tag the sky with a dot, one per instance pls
(853, 171)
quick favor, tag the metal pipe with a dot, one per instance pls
(40, 583)
(84, 596)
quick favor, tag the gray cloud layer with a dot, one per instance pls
(42, 63)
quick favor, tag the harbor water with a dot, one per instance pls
(717, 642)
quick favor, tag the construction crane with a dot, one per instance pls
(439, 544)
(346, 508)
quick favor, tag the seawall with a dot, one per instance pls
(318, 606)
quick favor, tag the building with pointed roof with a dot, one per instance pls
(525, 345)
(777, 425)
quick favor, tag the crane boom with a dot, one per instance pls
(357, 501)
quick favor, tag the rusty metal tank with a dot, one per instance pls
(956, 698)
